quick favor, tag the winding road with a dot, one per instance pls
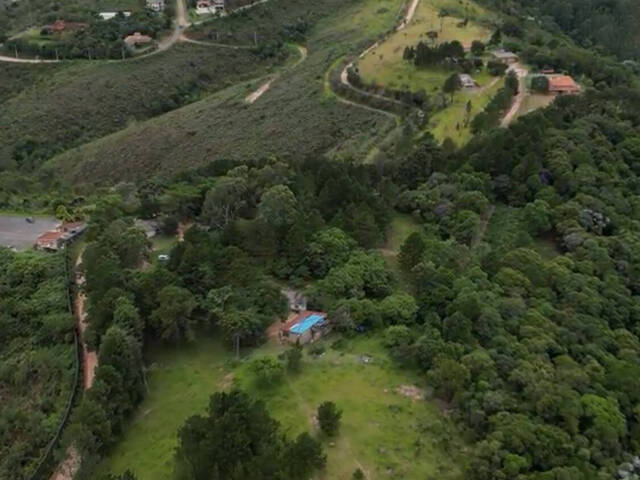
(521, 72)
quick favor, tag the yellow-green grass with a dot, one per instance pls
(386, 434)
(534, 101)
(383, 432)
(401, 227)
(181, 380)
(450, 122)
(385, 66)
(33, 35)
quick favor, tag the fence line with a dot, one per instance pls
(42, 472)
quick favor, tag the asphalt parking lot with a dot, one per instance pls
(16, 232)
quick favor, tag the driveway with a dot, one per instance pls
(16, 232)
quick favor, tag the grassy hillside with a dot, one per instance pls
(84, 101)
(295, 118)
(16, 77)
(383, 432)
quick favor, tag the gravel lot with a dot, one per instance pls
(16, 232)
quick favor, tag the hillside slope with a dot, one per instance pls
(295, 118)
(85, 101)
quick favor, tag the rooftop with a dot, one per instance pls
(504, 54)
(304, 321)
(562, 82)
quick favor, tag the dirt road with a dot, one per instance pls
(521, 72)
(69, 467)
(267, 85)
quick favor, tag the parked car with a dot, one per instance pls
(30, 220)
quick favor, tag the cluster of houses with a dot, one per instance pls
(558, 84)
(59, 238)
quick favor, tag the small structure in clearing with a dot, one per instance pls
(60, 26)
(110, 15)
(137, 39)
(210, 6)
(306, 327)
(505, 56)
(156, 5)
(466, 81)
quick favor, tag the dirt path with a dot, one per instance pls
(344, 75)
(484, 223)
(521, 72)
(251, 98)
(4, 58)
(69, 467)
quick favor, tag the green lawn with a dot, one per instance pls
(401, 227)
(533, 102)
(385, 433)
(384, 64)
(450, 122)
(180, 380)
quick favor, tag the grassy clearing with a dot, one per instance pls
(450, 122)
(180, 383)
(384, 65)
(401, 227)
(534, 101)
(294, 119)
(387, 434)
(82, 101)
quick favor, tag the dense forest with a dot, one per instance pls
(37, 358)
(610, 26)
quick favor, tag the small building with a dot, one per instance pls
(297, 301)
(306, 327)
(151, 228)
(210, 6)
(60, 26)
(505, 56)
(563, 85)
(137, 39)
(547, 71)
(64, 234)
(156, 5)
(110, 15)
(466, 81)
(50, 241)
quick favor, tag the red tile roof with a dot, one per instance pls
(563, 83)
(49, 237)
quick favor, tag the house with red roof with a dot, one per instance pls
(563, 85)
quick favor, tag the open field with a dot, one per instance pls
(401, 227)
(82, 101)
(293, 119)
(16, 232)
(384, 65)
(385, 433)
(450, 122)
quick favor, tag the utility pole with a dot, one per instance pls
(57, 57)
(255, 38)
(15, 47)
